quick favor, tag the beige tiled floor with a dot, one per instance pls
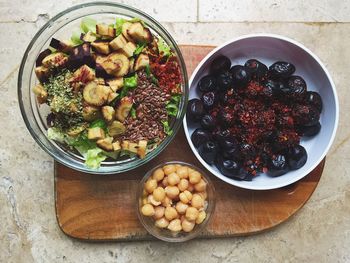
(320, 232)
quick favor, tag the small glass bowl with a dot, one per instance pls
(166, 234)
(61, 27)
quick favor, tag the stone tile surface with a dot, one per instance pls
(274, 10)
(320, 232)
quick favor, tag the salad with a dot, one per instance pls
(113, 90)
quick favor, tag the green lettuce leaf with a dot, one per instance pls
(118, 25)
(75, 38)
(163, 48)
(94, 157)
(88, 24)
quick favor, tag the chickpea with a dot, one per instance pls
(181, 207)
(144, 201)
(197, 201)
(150, 185)
(173, 179)
(177, 166)
(161, 223)
(190, 187)
(185, 196)
(175, 225)
(191, 213)
(159, 193)
(165, 182)
(201, 216)
(158, 174)
(172, 191)
(152, 201)
(167, 202)
(147, 210)
(170, 213)
(159, 212)
(201, 186)
(183, 184)
(187, 226)
(195, 177)
(182, 172)
(204, 195)
(168, 169)
(144, 193)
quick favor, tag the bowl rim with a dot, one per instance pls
(316, 58)
(62, 158)
(211, 203)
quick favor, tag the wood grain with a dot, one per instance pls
(103, 207)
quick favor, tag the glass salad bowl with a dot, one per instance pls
(64, 26)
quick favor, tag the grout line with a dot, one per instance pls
(197, 11)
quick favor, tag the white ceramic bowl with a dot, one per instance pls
(270, 48)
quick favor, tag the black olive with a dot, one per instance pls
(195, 109)
(207, 83)
(224, 80)
(209, 100)
(272, 87)
(313, 98)
(306, 115)
(277, 165)
(240, 75)
(297, 157)
(223, 98)
(208, 122)
(229, 148)
(225, 118)
(309, 131)
(200, 136)
(281, 70)
(208, 151)
(229, 168)
(220, 135)
(297, 86)
(257, 69)
(221, 63)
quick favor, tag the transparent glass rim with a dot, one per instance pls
(198, 228)
(66, 157)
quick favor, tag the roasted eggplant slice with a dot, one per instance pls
(106, 144)
(118, 43)
(116, 128)
(41, 56)
(40, 93)
(82, 76)
(76, 130)
(125, 28)
(101, 47)
(81, 55)
(135, 31)
(108, 113)
(91, 113)
(115, 83)
(121, 60)
(142, 61)
(111, 66)
(60, 45)
(42, 73)
(142, 147)
(88, 37)
(96, 95)
(129, 49)
(124, 108)
(101, 72)
(96, 133)
(105, 31)
(116, 146)
(55, 60)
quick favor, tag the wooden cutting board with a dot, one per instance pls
(103, 207)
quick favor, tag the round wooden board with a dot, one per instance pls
(102, 208)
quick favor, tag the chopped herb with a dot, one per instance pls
(167, 129)
(127, 153)
(148, 70)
